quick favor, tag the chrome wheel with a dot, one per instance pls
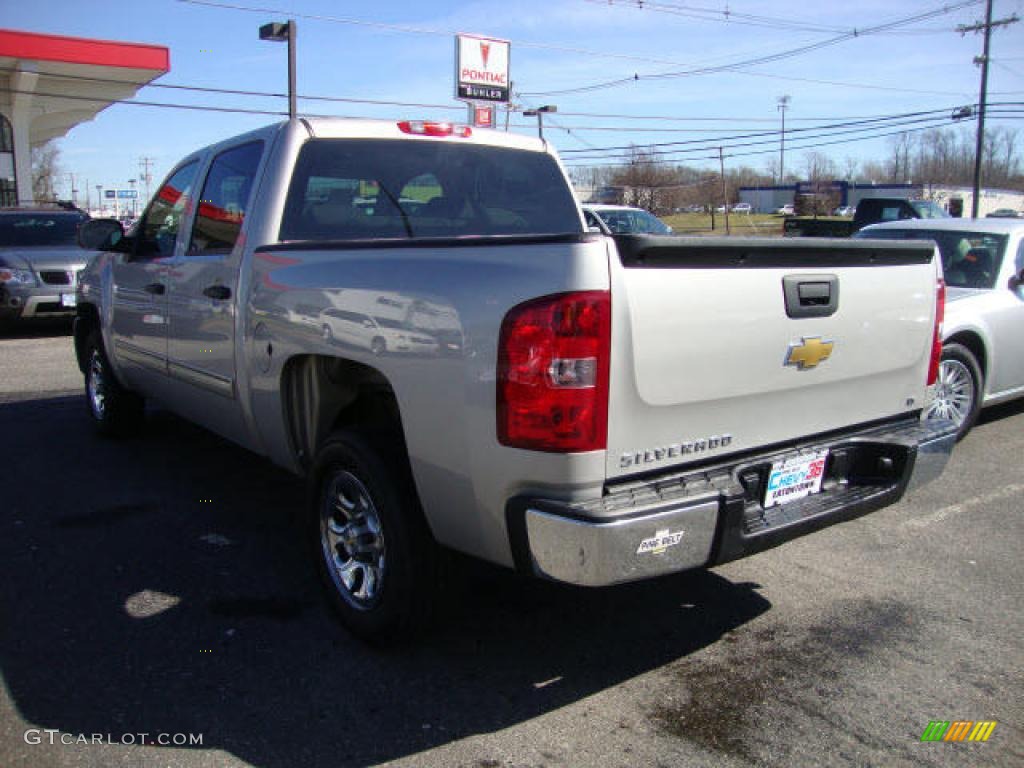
(352, 539)
(96, 386)
(954, 393)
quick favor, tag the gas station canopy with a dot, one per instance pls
(50, 83)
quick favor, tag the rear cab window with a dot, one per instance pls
(370, 189)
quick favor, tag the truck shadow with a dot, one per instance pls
(156, 585)
(36, 329)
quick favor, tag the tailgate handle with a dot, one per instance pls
(811, 295)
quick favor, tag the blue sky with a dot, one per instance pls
(402, 51)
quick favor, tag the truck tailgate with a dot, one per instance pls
(710, 357)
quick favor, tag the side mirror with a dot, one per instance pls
(1017, 281)
(101, 235)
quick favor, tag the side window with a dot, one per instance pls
(225, 199)
(160, 227)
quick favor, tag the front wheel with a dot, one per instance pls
(373, 549)
(114, 410)
(958, 389)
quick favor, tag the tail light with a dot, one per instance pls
(553, 360)
(940, 315)
(428, 128)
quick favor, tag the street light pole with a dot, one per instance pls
(540, 112)
(280, 32)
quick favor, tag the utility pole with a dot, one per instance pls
(725, 189)
(783, 106)
(145, 175)
(979, 145)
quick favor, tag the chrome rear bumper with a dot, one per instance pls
(696, 518)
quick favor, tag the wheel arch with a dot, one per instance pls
(975, 343)
(87, 319)
(322, 394)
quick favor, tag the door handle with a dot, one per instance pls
(157, 289)
(217, 292)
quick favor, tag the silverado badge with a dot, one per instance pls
(809, 352)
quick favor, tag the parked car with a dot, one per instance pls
(1003, 213)
(845, 210)
(786, 210)
(624, 220)
(743, 208)
(380, 335)
(39, 262)
(983, 333)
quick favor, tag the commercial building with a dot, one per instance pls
(50, 83)
(767, 199)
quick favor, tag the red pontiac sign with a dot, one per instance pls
(481, 68)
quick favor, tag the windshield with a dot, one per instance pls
(358, 189)
(969, 259)
(29, 229)
(629, 221)
(926, 209)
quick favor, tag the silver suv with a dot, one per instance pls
(39, 262)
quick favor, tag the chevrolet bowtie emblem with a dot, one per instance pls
(809, 352)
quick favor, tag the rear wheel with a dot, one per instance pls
(958, 389)
(114, 410)
(373, 549)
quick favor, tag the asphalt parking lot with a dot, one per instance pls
(155, 586)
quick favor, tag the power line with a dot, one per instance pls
(859, 134)
(759, 60)
(238, 92)
(728, 16)
(816, 145)
(844, 124)
(411, 29)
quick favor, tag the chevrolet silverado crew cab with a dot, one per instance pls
(414, 316)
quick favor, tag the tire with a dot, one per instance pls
(378, 346)
(373, 549)
(114, 410)
(958, 389)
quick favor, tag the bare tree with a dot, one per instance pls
(646, 181)
(850, 166)
(45, 171)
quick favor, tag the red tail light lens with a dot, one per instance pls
(940, 316)
(553, 360)
(428, 128)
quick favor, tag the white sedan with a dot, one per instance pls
(983, 333)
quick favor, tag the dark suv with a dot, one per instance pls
(39, 262)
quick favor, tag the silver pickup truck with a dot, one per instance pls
(415, 316)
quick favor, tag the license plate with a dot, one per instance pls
(68, 300)
(795, 478)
